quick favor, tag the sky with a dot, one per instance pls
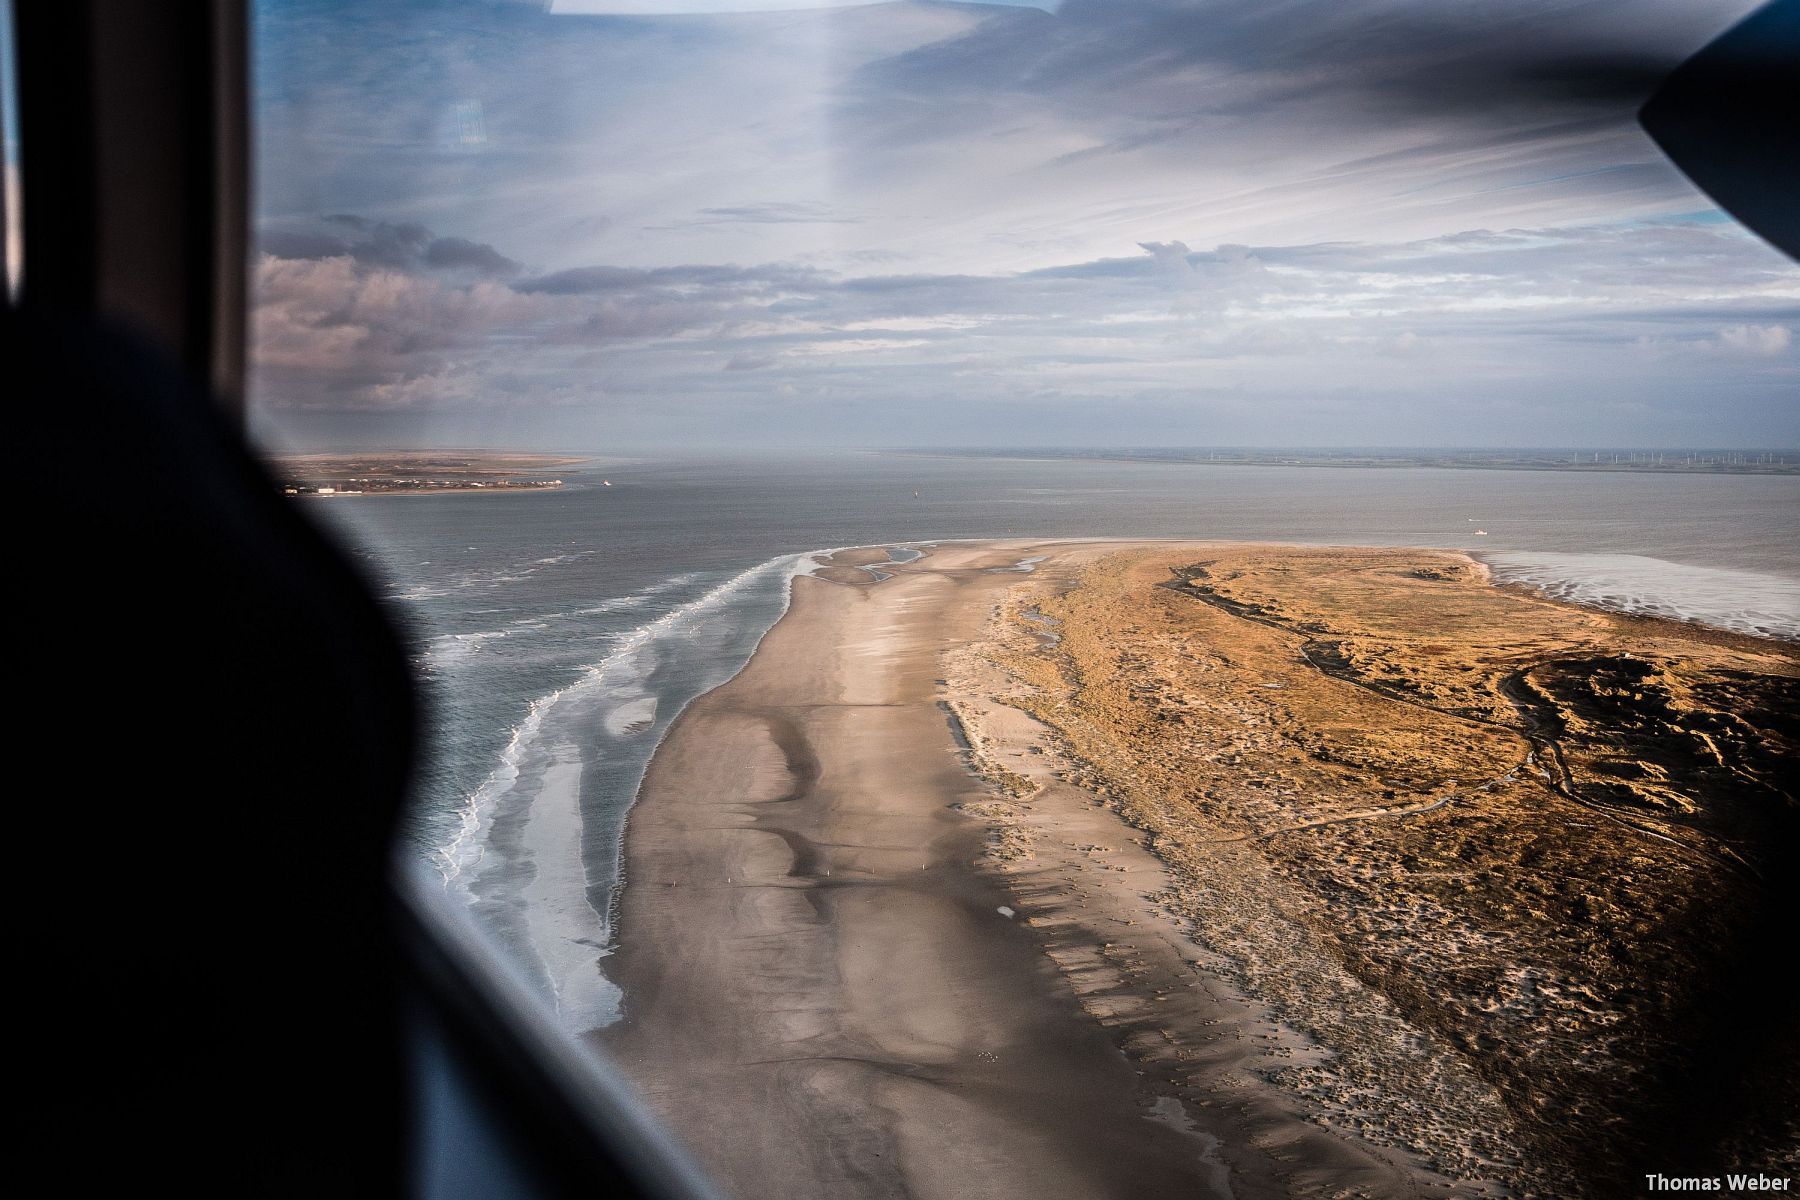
(625, 224)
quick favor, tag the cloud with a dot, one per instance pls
(449, 254)
(594, 280)
(1171, 258)
(402, 245)
(1405, 344)
(1763, 340)
(769, 213)
(337, 330)
(403, 317)
(1512, 311)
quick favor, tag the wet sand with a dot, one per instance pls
(832, 989)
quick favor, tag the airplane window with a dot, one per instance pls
(1149, 598)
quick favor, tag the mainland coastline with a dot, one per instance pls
(1194, 869)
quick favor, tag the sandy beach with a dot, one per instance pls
(836, 988)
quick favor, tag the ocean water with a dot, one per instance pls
(559, 633)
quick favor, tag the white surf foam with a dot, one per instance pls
(441, 653)
(1750, 602)
(617, 676)
(451, 649)
(566, 932)
(634, 716)
(489, 578)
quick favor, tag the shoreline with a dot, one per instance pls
(855, 968)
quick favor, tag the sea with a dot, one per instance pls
(557, 634)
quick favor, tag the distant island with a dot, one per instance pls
(417, 472)
(1667, 462)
